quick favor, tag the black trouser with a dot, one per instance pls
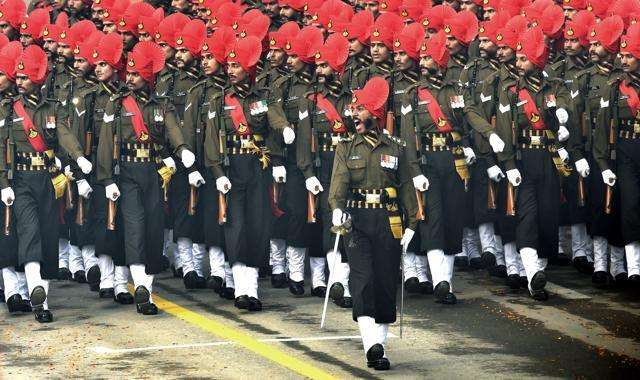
(446, 205)
(628, 167)
(601, 223)
(324, 176)
(8, 244)
(184, 225)
(571, 213)
(480, 189)
(142, 214)
(246, 232)
(207, 212)
(374, 258)
(37, 220)
(110, 243)
(538, 200)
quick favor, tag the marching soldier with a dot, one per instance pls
(618, 147)
(32, 183)
(370, 185)
(325, 118)
(356, 31)
(534, 120)
(240, 124)
(140, 128)
(432, 126)
(588, 88)
(11, 14)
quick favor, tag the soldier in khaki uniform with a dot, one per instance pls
(437, 146)
(357, 32)
(370, 185)
(325, 118)
(33, 182)
(12, 12)
(589, 86)
(241, 127)
(141, 129)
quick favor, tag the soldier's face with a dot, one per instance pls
(287, 13)
(379, 52)
(25, 85)
(524, 65)
(488, 14)
(7, 29)
(135, 82)
(487, 48)
(104, 72)
(5, 83)
(109, 27)
(145, 37)
(597, 52)
(428, 66)
(26, 40)
(630, 63)
(181, 5)
(569, 13)
(184, 58)
(572, 47)
(128, 38)
(430, 32)
(209, 64)
(362, 119)
(505, 54)
(295, 64)
(454, 46)
(64, 51)
(403, 61)
(76, 5)
(324, 72)
(276, 58)
(81, 65)
(236, 73)
(452, 3)
(373, 7)
(169, 52)
(271, 8)
(50, 47)
(468, 5)
(355, 47)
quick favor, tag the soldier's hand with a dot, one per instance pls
(188, 158)
(421, 183)
(563, 133)
(514, 177)
(339, 217)
(68, 172)
(84, 189)
(289, 135)
(582, 166)
(496, 143)
(562, 115)
(7, 196)
(195, 179)
(609, 177)
(170, 163)
(112, 192)
(406, 239)
(469, 155)
(223, 184)
(84, 164)
(57, 162)
(564, 155)
(495, 173)
(279, 174)
(313, 185)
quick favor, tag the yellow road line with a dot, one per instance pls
(234, 335)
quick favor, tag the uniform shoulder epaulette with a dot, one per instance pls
(617, 77)
(397, 140)
(346, 140)
(281, 80)
(474, 61)
(118, 95)
(361, 70)
(198, 84)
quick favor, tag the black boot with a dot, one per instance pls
(106, 293)
(279, 280)
(143, 302)
(539, 295)
(376, 359)
(254, 304)
(600, 279)
(426, 287)
(580, 263)
(513, 281)
(124, 298)
(412, 285)
(539, 281)
(461, 262)
(14, 303)
(296, 288)
(227, 293)
(499, 271)
(190, 280)
(80, 277)
(43, 316)
(489, 259)
(476, 263)
(336, 292)
(344, 302)
(242, 302)
(64, 274)
(319, 291)
(201, 282)
(93, 278)
(215, 283)
(441, 290)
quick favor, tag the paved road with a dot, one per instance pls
(580, 332)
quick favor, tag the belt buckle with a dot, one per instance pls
(372, 198)
(536, 140)
(143, 153)
(37, 161)
(438, 141)
(245, 142)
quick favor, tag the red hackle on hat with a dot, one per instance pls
(407, 40)
(412, 10)
(149, 24)
(109, 50)
(384, 29)
(434, 18)
(436, 48)
(33, 63)
(531, 44)
(608, 33)
(13, 11)
(146, 59)
(305, 43)
(358, 28)
(509, 35)
(253, 23)
(129, 20)
(216, 45)
(630, 42)
(84, 48)
(463, 26)
(246, 52)
(9, 55)
(580, 26)
(170, 27)
(192, 36)
(335, 52)
(286, 33)
(33, 24)
(373, 97)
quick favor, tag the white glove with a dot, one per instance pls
(313, 185)
(279, 174)
(7, 196)
(195, 179)
(57, 162)
(112, 192)
(563, 133)
(84, 165)
(562, 116)
(68, 172)
(421, 183)
(223, 184)
(289, 135)
(564, 155)
(582, 166)
(84, 189)
(496, 143)
(470, 155)
(514, 177)
(188, 158)
(495, 173)
(609, 177)
(338, 217)
(406, 239)
(169, 162)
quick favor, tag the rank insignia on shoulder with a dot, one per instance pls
(258, 107)
(389, 162)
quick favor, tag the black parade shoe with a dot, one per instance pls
(513, 281)
(376, 359)
(319, 291)
(106, 293)
(43, 316)
(254, 304)
(227, 293)
(143, 302)
(412, 285)
(279, 280)
(539, 281)
(124, 298)
(64, 274)
(215, 283)
(296, 288)
(93, 278)
(489, 259)
(80, 277)
(242, 302)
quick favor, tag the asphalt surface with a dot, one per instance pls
(580, 332)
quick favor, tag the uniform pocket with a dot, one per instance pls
(357, 169)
